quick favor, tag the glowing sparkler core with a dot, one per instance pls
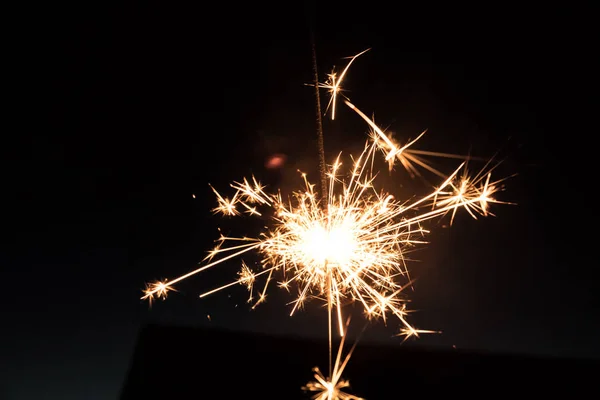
(327, 248)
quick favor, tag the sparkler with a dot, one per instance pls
(350, 249)
(348, 246)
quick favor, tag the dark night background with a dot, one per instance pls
(139, 107)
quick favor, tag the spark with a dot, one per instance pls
(247, 278)
(332, 388)
(158, 289)
(348, 248)
(334, 82)
(409, 158)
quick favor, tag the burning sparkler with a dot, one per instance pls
(351, 247)
(347, 246)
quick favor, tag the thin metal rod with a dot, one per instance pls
(320, 140)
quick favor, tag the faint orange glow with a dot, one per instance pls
(275, 161)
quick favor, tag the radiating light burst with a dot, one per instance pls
(159, 290)
(348, 248)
